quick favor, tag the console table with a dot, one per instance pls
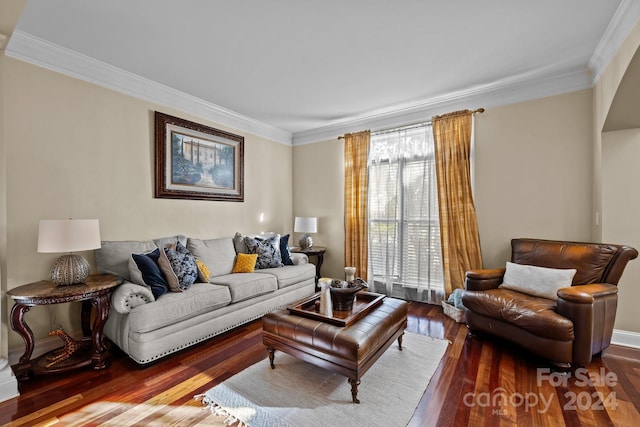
(95, 292)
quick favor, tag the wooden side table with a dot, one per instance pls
(313, 251)
(95, 292)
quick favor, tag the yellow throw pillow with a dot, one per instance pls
(203, 271)
(245, 263)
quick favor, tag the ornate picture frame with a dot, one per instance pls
(198, 162)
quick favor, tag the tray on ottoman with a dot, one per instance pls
(363, 304)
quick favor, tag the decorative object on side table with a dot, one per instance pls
(305, 225)
(94, 292)
(68, 235)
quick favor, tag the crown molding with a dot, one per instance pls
(619, 28)
(34, 50)
(528, 86)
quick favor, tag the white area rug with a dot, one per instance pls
(299, 394)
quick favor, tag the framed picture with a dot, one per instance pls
(198, 162)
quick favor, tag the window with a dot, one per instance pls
(404, 232)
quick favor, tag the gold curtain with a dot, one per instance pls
(356, 154)
(458, 222)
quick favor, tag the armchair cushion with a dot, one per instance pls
(533, 314)
(537, 281)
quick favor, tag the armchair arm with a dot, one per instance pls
(586, 294)
(128, 296)
(592, 310)
(482, 280)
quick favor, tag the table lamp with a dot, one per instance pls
(68, 235)
(305, 225)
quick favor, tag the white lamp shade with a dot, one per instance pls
(305, 225)
(68, 235)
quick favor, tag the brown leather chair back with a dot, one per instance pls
(594, 262)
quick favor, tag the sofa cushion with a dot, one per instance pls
(537, 281)
(218, 254)
(239, 245)
(164, 242)
(291, 274)
(268, 251)
(247, 285)
(113, 256)
(533, 314)
(175, 307)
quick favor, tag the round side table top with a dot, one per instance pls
(45, 291)
(309, 251)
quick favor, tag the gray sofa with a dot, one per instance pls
(147, 328)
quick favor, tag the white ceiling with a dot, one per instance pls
(302, 70)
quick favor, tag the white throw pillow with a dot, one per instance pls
(537, 281)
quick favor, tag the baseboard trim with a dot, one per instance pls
(8, 381)
(626, 338)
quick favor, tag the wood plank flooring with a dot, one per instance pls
(481, 381)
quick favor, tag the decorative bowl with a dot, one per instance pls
(344, 293)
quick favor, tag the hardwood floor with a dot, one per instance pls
(480, 381)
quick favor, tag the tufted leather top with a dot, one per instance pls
(353, 343)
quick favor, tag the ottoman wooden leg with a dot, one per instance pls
(272, 356)
(400, 341)
(354, 389)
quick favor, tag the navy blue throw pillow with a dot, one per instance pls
(284, 250)
(151, 274)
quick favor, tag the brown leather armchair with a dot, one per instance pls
(567, 331)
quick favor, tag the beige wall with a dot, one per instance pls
(615, 178)
(318, 188)
(532, 172)
(532, 177)
(74, 149)
(620, 213)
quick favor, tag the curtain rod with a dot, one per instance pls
(413, 125)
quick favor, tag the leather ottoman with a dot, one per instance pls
(349, 350)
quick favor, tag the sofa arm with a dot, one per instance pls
(128, 296)
(592, 310)
(482, 280)
(299, 259)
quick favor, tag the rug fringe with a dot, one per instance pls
(216, 409)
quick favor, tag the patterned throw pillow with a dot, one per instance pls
(183, 265)
(245, 263)
(268, 251)
(203, 271)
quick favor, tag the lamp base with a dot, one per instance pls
(305, 242)
(69, 270)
